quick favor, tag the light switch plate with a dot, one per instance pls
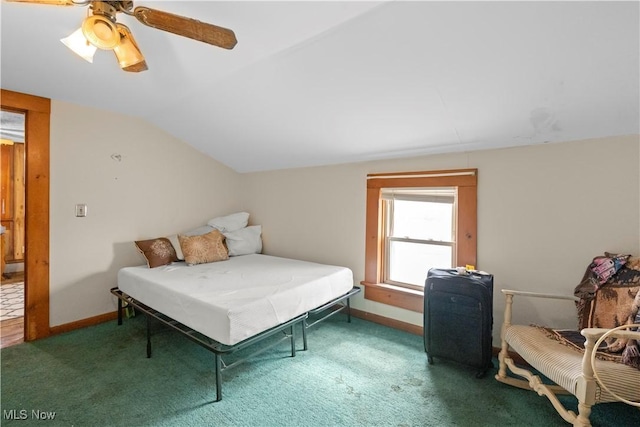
(81, 210)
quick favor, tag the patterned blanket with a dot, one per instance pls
(575, 340)
(609, 297)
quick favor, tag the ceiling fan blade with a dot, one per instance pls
(51, 2)
(187, 27)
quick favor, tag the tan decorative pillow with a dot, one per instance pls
(157, 252)
(205, 248)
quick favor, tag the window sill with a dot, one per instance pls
(397, 296)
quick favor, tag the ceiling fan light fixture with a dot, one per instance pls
(80, 45)
(127, 52)
(101, 32)
(136, 68)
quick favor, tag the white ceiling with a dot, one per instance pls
(316, 83)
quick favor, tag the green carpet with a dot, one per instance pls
(358, 374)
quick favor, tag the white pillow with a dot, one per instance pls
(176, 245)
(204, 229)
(231, 222)
(245, 241)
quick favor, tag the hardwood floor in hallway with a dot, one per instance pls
(12, 330)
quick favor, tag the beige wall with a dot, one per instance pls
(544, 212)
(159, 186)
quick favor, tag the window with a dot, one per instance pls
(416, 221)
(419, 233)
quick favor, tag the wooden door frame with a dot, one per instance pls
(37, 157)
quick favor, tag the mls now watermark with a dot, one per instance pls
(23, 414)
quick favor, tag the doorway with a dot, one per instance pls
(12, 226)
(37, 112)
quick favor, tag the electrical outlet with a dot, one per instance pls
(81, 210)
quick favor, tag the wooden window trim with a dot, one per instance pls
(465, 181)
(36, 263)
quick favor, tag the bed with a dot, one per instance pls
(227, 306)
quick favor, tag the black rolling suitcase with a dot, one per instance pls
(458, 317)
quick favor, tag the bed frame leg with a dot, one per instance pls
(304, 335)
(293, 340)
(348, 310)
(148, 337)
(119, 311)
(218, 378)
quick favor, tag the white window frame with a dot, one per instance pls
(437, 195)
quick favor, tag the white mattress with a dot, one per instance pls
(230, 301)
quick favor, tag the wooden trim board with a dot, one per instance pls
(37, 125)
(84, 323)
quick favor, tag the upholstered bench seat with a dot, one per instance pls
(567, 366)
(563, 364)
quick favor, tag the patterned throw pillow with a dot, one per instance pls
(205, 248)
(157, 252)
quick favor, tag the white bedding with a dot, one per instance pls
(232, 300)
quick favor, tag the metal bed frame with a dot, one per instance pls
(218, 349)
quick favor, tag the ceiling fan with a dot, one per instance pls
(100, 29)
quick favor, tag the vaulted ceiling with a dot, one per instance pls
(315, 83)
